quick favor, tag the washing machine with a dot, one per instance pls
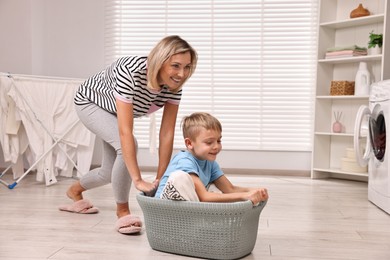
(370, 143)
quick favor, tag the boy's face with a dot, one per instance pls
(206, 146)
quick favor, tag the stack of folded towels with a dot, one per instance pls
(345, 51)
(349, 163)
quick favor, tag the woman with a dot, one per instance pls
(107, 104)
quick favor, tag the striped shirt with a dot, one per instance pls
(125, 79)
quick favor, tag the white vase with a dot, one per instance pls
(362, 80)
(375, 51)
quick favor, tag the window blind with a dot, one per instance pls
(256, 68)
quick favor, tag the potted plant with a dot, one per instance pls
(375, 43)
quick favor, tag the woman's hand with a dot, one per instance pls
(147, 187)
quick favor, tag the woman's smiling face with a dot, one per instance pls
(175, 70)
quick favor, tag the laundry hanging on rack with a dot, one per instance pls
(56, 137)
(13, 137)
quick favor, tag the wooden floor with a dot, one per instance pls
(304, 219)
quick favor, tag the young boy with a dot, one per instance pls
(190, 172)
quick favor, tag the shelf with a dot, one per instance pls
(336, 29)
(349, 97)
(371, 19)
(352, 59)
(337, 134)
(339, 171)
(334, 134)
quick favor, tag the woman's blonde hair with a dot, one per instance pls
(192, 124)
(163, 51)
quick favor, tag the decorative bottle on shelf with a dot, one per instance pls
(362, 80)
(359, 12)
(337, 127)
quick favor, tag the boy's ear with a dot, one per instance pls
(188, 143)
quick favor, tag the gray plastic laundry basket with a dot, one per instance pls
(201, 229)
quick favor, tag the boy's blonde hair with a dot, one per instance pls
(163, 51)
(192, 124)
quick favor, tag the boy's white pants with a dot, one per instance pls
(179, 186)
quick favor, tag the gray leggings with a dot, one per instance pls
(113, 168)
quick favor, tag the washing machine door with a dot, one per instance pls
(373, 121)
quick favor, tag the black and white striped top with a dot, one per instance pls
(125, 79)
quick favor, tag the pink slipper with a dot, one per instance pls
(129, 224)
(81, 206)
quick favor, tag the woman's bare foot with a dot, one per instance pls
(122, 209)
(75, 191)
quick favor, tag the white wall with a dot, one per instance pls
(65, 38)
(15, 43)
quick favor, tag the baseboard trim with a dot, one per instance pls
(238, 171)
(252, 172)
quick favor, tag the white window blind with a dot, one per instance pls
(256, 68)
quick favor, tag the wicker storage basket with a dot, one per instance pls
(344, 87)
(200, 229)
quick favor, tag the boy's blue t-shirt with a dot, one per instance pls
(208, 171)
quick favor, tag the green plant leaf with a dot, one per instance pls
(375, 39)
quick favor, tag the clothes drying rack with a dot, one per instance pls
(56, 140)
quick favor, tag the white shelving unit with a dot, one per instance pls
(337, 29)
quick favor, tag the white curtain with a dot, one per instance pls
(256, 69)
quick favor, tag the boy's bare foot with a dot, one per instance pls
(256, 196)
